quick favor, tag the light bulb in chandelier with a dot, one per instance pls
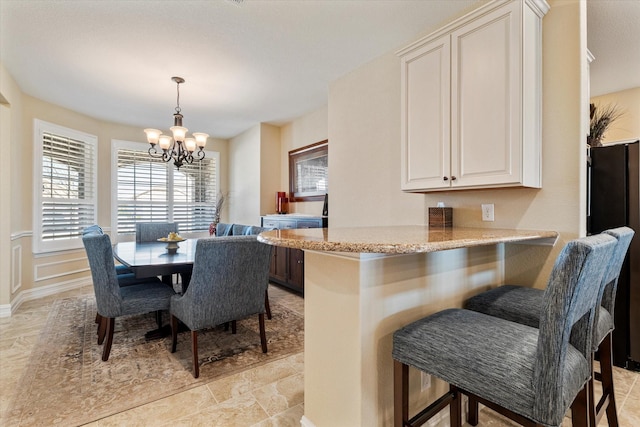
(178, 148)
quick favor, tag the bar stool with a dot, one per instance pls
(524, 305)
(530, 375)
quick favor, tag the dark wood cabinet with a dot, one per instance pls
(287, 265)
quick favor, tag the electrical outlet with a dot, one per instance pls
(425, 381)
(487, 212)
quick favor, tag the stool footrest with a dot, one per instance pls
(427, 413)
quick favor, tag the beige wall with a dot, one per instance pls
(244, 177)
(10, 136)
(53, 272)
(379, 295)
(270, 166)
(254, 173)
(628, 125)
(308, 129)
(364, 155)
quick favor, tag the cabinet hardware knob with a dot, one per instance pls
(299, 261)
(446, 178)
(453, 178)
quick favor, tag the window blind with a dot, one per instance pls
(68, 180)
(150, 190)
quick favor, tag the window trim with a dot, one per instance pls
(117, 144)
(40, 127)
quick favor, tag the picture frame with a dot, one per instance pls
(309, 172)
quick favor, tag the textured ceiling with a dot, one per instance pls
(244, 62)
(613, 37)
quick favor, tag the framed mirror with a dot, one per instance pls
(309, 172)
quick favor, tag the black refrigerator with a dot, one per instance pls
(613, 193)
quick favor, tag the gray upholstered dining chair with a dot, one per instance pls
(531, 375)
(523, 305)
(152, 231)
(113, 300)
(230, 276)
(123, 271)
(224, 229)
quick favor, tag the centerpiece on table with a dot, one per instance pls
(216, 215)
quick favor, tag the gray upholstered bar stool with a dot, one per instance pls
(531, 375)
(524, 305)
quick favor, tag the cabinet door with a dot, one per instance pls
(279, 264)
(486, 100)
(425, 116)
(296, 269)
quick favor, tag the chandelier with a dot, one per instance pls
(179, 148)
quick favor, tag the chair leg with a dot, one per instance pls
(455, 407)
(267, 306)
(194, 352)
(400, 393)
(106, 349)
(579, 409)
(102, 328)
(159, 318)
(98, 317)
(591, 408)
(591, 402)
(233, 327)
(473, 411)
(606, 371)
(263, 334)
(174, 333)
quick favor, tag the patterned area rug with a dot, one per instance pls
(67, 383)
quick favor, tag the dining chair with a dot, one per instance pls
(223, 229)
(230, 276)
(531, 375)
(523, 305)
(113, 300)
(245, 230)
(121, 270)
(151, 232)
(126, 277)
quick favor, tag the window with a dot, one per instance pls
(150, 190)
(65, 176)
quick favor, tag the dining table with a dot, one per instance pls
(150, 259)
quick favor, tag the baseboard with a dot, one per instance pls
(6, 310)
(305, 422)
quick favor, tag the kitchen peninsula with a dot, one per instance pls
(363, 283)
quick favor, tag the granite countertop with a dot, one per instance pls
(399, 239)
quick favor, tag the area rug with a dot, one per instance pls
(67, 383)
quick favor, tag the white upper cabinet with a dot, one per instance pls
(471, 101)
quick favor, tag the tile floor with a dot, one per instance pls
(269, 395)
